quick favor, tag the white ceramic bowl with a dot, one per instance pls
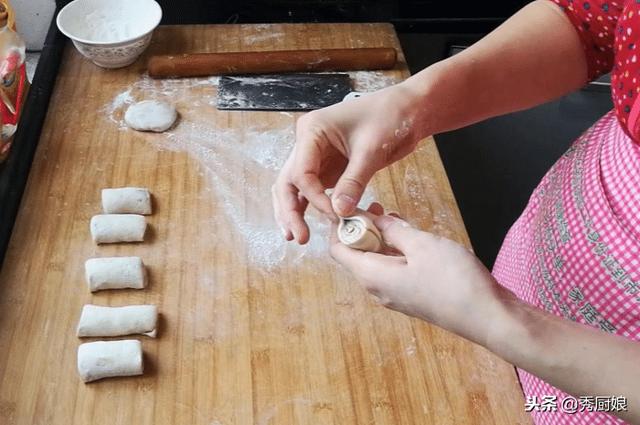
(111, 33)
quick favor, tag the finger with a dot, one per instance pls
(285, 203)
(290, 212)
(306, 176)
(389, 250)
(399, 234)
(351, 185)
(376, 209)
(333, 234)
(370, 267)
(298, 224)
(277, 214)
(312, 189)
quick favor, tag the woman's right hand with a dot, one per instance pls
(341, 147)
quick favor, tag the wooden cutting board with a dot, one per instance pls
(252, 332)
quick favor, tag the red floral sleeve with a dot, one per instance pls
(595, 21)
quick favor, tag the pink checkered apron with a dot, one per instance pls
(575, 252)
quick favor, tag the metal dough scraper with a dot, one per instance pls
(282, 92)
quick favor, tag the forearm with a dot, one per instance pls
(533, 57)
(575, 358)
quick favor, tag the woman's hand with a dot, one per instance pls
(434, 278)
(440, 281)
(342, 146)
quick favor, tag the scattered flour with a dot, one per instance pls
(147, 88)
(412, 347)
(368, 81)
(239, 166)
(416, 185)
(262, 33)
(404, 129)
(122, 99)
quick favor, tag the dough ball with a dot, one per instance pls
(150, 115)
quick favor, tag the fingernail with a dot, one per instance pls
(288, 235)
(384, 221)
(344, 203)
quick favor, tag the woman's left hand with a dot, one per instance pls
(440, 281)
(433, 278)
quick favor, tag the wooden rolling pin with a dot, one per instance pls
(202, 64)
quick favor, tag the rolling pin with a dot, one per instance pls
(202, 64)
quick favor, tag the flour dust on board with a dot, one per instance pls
(239, 165)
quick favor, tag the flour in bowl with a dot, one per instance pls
(105, 27)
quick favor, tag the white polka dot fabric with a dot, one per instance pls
(575, 251)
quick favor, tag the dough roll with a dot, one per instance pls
(359, 232)
(104, 359)
(126, 200)
(115, 273)
(112, 228)
(117, 321)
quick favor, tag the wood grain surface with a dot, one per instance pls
(244, 339)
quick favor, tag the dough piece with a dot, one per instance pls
(359, 232)
(112, 228)
(117, 321)
(126, 200)
(115, 273)
(150, 115)
(103, 359)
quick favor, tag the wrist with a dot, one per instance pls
(522, 334)
(506, 324)
(446, 95)
(484, 313)
(416, 94)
